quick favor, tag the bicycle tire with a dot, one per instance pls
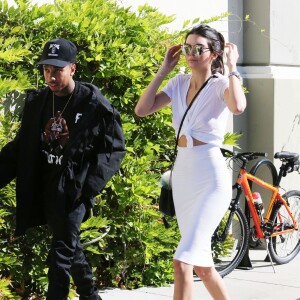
(227, 254)
(285, 247)
(255, 242)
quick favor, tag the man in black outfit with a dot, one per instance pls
(70, 143)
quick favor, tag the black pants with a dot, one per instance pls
(66, 257)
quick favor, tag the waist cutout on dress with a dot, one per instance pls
(188, 141)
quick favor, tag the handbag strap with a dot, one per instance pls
(185, 113)
(181, 123)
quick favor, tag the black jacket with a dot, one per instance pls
(92, 155)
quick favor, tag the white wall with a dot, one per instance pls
(284, 32)
(272, 75)
(185, 10)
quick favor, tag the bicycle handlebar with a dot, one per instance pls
(244, 156)
(290, 160)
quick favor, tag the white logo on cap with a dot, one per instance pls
(54, 48)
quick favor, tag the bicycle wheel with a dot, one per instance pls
(230, 250)
(283, 248)
(260, 167)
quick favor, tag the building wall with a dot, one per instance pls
(271, 72)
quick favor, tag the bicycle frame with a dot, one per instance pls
(243, 182)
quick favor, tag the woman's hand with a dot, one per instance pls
(234, 96)
(171, 59)
(150, 100)
(232, 56)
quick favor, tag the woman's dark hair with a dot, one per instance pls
(216, 44)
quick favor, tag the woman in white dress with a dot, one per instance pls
(201, 182)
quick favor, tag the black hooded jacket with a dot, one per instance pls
(93, 154)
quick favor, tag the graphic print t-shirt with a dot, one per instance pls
(59, 119)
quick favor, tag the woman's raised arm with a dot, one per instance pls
(151, 101)
(234, 95)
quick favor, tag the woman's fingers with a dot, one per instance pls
(231, 53)
(172, 56)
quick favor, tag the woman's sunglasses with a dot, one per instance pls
(196, 49)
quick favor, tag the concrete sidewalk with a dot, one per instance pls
(260, 283)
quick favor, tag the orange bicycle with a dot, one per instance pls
(279, 226)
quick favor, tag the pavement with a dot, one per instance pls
(259, 283)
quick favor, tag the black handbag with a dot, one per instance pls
(166, 203)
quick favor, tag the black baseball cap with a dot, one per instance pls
(58, 53)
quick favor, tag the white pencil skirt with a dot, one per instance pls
(202, 191)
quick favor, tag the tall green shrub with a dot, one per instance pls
(119, 51)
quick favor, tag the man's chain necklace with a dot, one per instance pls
(64, 106)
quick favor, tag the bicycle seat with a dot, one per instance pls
(288, 156)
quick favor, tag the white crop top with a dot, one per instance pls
(206, 121)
